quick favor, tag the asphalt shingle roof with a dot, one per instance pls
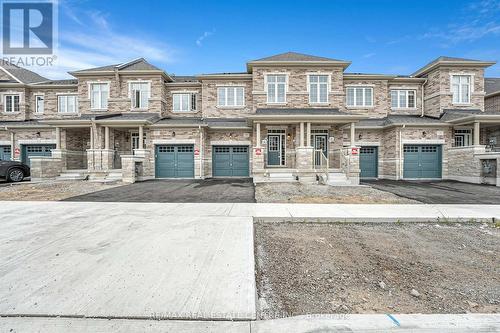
(58, 82)
(134, 65)
(399, 119)
(491, 85)
(305, 111)
(294, 56)
(22, 74)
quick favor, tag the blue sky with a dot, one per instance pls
(191, 37)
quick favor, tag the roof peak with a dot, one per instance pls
(451, 61)
(296, 56)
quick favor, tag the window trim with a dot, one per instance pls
(132, 107)
(266, 82)
(407, 99)
(235, 87)
(66, 103)
(471, 88)
(364, 106)
(36, 104)
(328, 87)
(190, 101)
(470, 135)
(5, 103)
(89, 88)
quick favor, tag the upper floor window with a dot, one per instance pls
(276, 88)
(140, 94)
(99, 93)
(461, 88)
(318, 88)
(39, 103)
(360, 96)
(67, 103)
(11, 103)
(403, 98)
(185, 102)
(230, 96)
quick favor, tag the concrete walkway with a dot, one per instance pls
(415, 323)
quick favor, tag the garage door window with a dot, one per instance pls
(222, 149)
(411, 149)
(429, 149)
(166, 149)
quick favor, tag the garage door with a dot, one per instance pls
(422, 161)
(230, 161)
(368, 162)
(35, 150)
(5, 153)
(174, 161)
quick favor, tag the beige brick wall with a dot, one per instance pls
(381, 99)
(23, 103)
(209, 99)
(417, 110)
(50, 103)
(169, 109)
(492, 104)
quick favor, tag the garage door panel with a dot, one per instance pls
(422, 161)
(35, 150)
(230, 161)
(368, 162)
(175, 161)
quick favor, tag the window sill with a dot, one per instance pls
(271, 103)
(230, 107)
(404, 109)
(319, 103)
(68, 113)
(360, 107)
(463, 104)
(7, 112)
(184, 111)
(139, 109)
(99, 110)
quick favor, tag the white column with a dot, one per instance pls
(12, 145)
(91, 137)
(257, 134)
(308, 134)
(141, 135)
(353, 135)
(476, 133)
(58, 138)
(106, 137)
(301, 135)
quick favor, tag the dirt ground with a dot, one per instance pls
(373, 268)
(50, 190)
(305, 193)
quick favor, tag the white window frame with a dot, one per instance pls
(134, 136)
(407, 99)
(235, 94)
(266, 87)
(132, 99)
(10, 95)
(470, 90)
(190, 108)
(65, 96)
(37, 111)
(364, 87)
(100, 106)
(466, 132)
(328, 80)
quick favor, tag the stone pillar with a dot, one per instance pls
(58, 138)
(106, 137)
(147, 160)
(353, 135)
(308, 134)
(257, 135)
(141, 137)
(476, 141)
(301, 135)
(92, 145)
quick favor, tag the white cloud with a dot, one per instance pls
(204, 36)
(369, 55)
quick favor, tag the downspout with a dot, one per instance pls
(422, 102)
(400, 169)
(201, 151)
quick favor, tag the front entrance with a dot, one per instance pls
(5, 153)
(320, 142)
(276, 150)
(230, 161)
(35, 150)
(422, 162)
(174, 161)
(368, 162)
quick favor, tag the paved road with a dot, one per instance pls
(440, 192)
(159, 190)
(124, 260)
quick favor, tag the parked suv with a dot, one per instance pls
(14, 171)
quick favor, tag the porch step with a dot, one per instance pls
(281, 176)
(73, 175)
(338, 179)
(114, 175)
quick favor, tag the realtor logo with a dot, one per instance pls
(28, 27)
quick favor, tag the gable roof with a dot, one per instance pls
(451, 61)
(291, 58)
(139, 64)
(491, 85)
(21, 75)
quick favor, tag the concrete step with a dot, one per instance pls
(338, 179)
(73, 175)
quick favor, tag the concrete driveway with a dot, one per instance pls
(440, 192)
(185, 190)
(125, 260)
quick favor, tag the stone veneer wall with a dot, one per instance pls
(209, 99)
(492, 104)
(463, 165)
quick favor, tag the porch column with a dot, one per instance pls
(257, 134)
(106, 137)
(301, 135)
(12, 146)
(353, 134)
(476, 133)
(308, 134)
(58, 138)
(141, 136)
(91, 137)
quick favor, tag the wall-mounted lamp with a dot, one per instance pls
(173, 134)
(289, 136)
(38, 135)
(360, 136)
(424, 134)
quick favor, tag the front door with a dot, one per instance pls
(320, 143)
(274, 150)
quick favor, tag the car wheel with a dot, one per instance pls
(15, 175)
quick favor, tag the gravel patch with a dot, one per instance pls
(312, 193)
(52, 190)
(376, 268)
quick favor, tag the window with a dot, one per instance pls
(140, 94)
(184, 102)
(318, 88)
(463, 137)
(276, 88)
(360, 96)
(461, 88)
(403, 98)
(135, 140)
(11, 103)
(99, 93)
(39, 103)
(67, 103)
(231, 96)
